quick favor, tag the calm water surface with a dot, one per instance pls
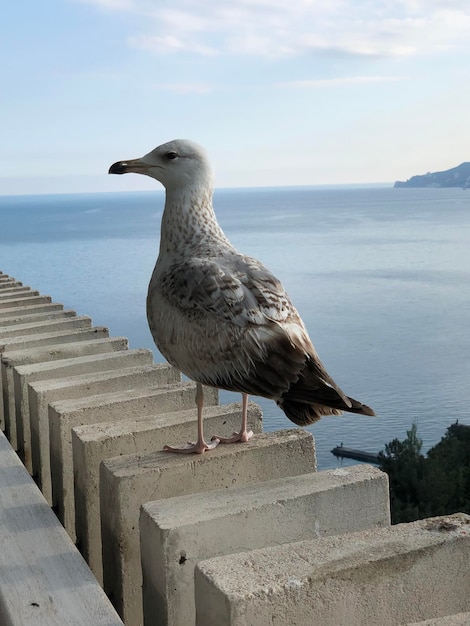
(380, 276)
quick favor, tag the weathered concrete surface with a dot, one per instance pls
(44, 580)
(46, 312)
(460, 619)
(128, 482)
(7, 285)
(17, 420)
(23, 330)
(7, 290)
(386, 576)
(177, 533)
(64, 368)
(42, 393)
(66, 414)
(44, 326)
(50, 338)
(30, 299)
(13, 314)
(4, 279)
(95, 443)
(29, 293)
(29, 343)
(7, 280)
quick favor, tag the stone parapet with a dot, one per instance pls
(98, 442)
(128, 482)
(177, 533)
(383, 576)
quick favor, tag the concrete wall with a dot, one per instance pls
(97, 442)
(177, 533)
(17, 419)
(43, 392)
(246, 534)
(128, 482)
(383, 576)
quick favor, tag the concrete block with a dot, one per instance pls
(19, 301)
(43, 392)
(385, 576)
(177, 533)
(22, 330)
(460, 619)
(10, 293)
(50, 338)
(18, 320)
(44, 579)
(7, 281)
(44, 326)
(128, 482)
(47, 370)
(6, 290)
(73, 366)
(11, 360)
(66, 414)
(27, 344)
(12, 315)
(16, 420)
(95, 443)
(15, 332)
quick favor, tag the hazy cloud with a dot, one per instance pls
(185, 88)
(112, 5)
(279, 28)
(335, 82)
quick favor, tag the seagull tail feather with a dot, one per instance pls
(304, 414)
(315, 394)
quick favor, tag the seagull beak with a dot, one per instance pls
(134, 165)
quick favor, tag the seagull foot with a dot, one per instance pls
(242, 437)
(194, 448)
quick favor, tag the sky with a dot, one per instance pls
(279, 92)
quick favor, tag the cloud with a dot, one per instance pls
(112, 5)
(335, 82)
(282, 28)
(168, 44)
(185, 88)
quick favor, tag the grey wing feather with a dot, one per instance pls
(237, 289)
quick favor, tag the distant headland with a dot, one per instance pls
(456, 177)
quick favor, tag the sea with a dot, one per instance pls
(380, 276)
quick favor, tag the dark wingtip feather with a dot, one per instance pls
(358, 407)
(304, 414)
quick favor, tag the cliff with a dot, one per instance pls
(455, 177)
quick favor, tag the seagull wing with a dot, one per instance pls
(236, 289)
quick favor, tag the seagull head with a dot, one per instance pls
(178, 163)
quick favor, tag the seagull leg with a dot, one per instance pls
(244, 434)
(200, 446)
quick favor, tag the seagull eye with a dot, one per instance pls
(171, 155)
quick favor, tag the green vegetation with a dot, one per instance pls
(435, 484)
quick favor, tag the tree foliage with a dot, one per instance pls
(435, 484)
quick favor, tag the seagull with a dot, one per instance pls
(221, 317)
